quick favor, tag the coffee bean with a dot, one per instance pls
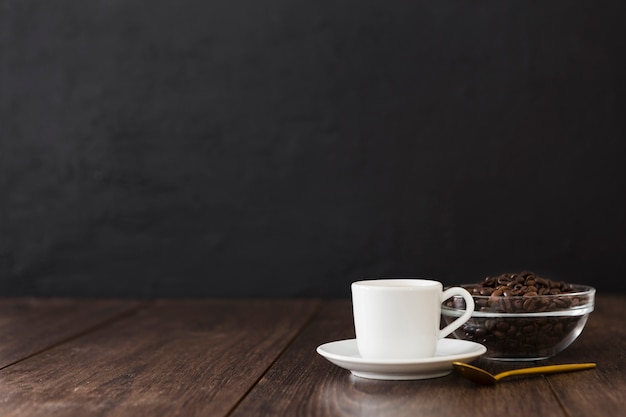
(499, 334)
(503, 280)
(489, 281)
(527, 304)
(546, 328)
(485, 291)
(503, 326)
(562, 302)
(480, 333)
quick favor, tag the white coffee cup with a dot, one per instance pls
(400, 318)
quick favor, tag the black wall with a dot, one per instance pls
(286, 147)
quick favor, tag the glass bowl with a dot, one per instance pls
(522, 328)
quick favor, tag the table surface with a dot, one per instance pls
(254, 357)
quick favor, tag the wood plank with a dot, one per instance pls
(598, 392)
(301, 383)
(30, 325)
(174, 358)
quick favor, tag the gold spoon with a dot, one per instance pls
(483, 377)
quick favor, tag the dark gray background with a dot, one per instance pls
(286, 147)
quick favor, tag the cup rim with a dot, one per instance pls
(395, 284)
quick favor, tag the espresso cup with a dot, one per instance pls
(400, 318)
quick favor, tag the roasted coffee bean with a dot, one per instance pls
(499, 334)
(503, 326)
(561, 302)
(480, 333)
(523, 284)
(546, 328)
(485, 291)
(503, 280)
(489, 281)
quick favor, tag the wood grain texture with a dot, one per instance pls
(174, 358)
(602, 391)
(257, 358)
(304, 384)
(30, 325)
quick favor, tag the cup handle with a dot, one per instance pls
(469, 309)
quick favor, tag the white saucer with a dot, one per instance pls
(345, 354)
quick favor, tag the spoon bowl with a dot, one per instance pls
(482, 377)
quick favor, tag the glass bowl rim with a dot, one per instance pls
(580, 290)
(579, 310)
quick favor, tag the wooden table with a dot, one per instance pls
(257, 358)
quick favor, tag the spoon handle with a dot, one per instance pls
(549, 369)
